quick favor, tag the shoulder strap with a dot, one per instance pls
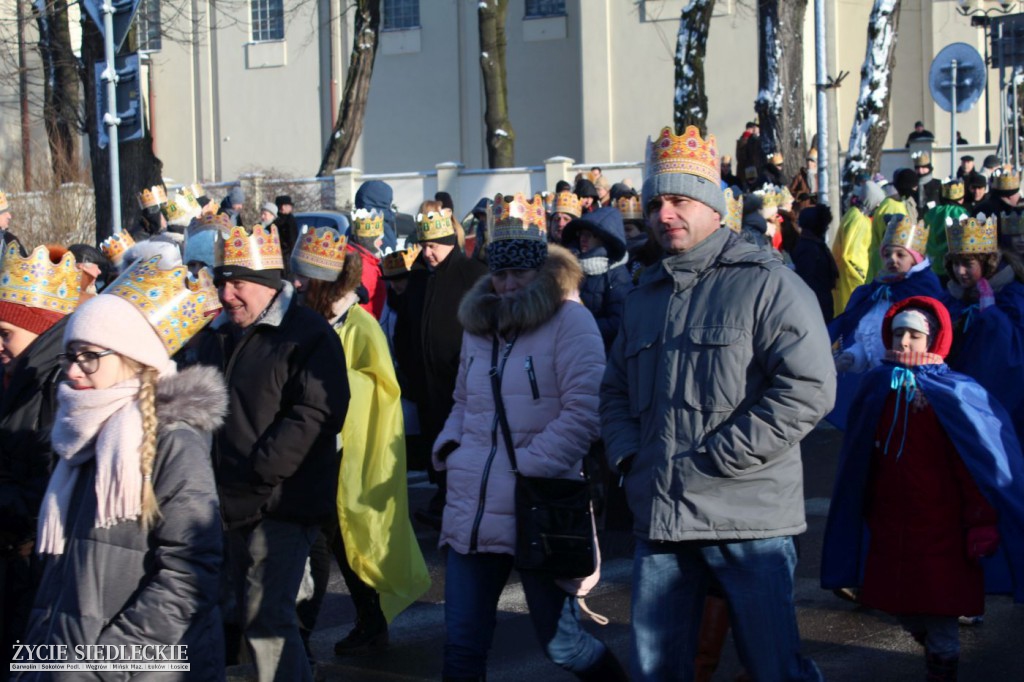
(499, 404)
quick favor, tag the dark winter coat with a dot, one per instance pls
(606, 278)
(27, 407)
(721, 367)
(441, 332)
(276, 455)
(120, 586)
(813, 261)
(754, 230)
(929, 190)
(288, 231)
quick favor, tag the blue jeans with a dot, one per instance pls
(472, 586)
(670, 580)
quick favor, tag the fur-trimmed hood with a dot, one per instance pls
(483, 312)
(196, 396)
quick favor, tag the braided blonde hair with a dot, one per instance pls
(147, 453)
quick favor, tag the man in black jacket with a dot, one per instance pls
(445, 278)
(276, 457)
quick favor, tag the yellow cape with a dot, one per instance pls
(890, 205)
(850, 250)
(373, 499)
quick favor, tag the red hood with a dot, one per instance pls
(942, 341)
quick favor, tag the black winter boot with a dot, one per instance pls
(941, 669)
(607, 669)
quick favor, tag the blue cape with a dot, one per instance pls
(864, 297)
(990, 348)
(982, 434)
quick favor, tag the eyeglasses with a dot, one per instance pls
(88, 361)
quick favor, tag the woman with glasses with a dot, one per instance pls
(129, 529)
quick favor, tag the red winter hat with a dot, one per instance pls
(35, 320)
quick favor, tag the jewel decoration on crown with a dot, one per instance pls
(176, 303)
(3, 202)
(152, 197)
(900, 230)
(114, 246)
(686, 153)
(37, 282)
(953, 189)
(516, 218)
(1005, 178)
(1011, 224)
(400, 262)
(921, 159)
(972, 235)
(368, 223)
(436, 224)
(321, 247)
(630, 208)
(211, 221)
(734, 210)
(258, 248)
(568, 203)
(181, 208)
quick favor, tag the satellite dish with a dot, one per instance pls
(970, 77)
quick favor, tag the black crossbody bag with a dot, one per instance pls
(554, 520)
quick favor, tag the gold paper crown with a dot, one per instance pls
(972, 235)
(734, 211)
(400, 262)
(210, 221)
(4, 206)
(630, 208)
(198, 190)
(785, 197)
(256, 249)
(516, 219)
(368, 224)
(436, 224)
(176, 303)
(921, 159)
(953, 190)
(568, 203)
(321, 247)
(769, 195)
(114, 246)
(1005, 178)
(687, 153)
(1011, 224)
(38, 282)
(901, 231)
(776, 159)
(152, 196)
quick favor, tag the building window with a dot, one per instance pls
(401, 14)
(544, 8)
(147, 25)
(267, 20)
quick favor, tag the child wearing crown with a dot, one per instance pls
(906, 272)
(930, 483)
(986, 303)
(129, 529)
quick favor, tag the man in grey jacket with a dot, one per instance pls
(721, 366)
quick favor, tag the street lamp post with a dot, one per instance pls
(982, 17)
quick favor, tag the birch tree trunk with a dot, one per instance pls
(500, 136)
(61, 100)
(352, 109)
(871, 119)
(690, 105)
(779, 102)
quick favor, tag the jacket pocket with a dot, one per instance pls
(641, 363)
(714, 368)
(531, 373)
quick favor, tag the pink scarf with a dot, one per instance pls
(105, 424)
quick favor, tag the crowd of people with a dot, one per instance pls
(201, 413)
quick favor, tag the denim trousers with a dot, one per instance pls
(670, 580)
(941, 633)
(472, 586)
(265, 565)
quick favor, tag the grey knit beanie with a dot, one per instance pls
(686, 165)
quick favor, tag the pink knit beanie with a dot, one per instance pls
(113, 323)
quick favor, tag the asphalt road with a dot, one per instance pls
(848, 643)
